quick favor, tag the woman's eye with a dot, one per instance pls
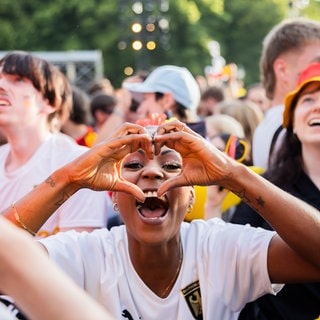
(172, 166)
(306, 99)
(133, 165)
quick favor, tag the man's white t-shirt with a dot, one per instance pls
(86, 208)
(224, 267)
(263, 136)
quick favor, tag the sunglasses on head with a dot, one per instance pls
(235, 148)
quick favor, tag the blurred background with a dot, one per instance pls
(92, 39)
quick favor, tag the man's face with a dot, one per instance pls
(150, 105)
(20, 101)
(258, 96)
(207, 107)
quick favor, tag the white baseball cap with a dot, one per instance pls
(170, 79)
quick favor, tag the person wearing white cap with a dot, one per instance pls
(167, 89)
(170, 89)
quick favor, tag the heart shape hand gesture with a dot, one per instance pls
(100, 167)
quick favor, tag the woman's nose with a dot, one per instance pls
(316, 105)
(152, 171)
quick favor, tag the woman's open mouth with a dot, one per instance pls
(153, 209)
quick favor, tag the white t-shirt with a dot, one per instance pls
(227, 262)
(8, 309)
(263, 135)
(86, 208)
(6, 313)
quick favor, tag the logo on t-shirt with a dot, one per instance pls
(192, 295)
(126, 314)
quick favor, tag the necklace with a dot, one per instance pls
(166, 290)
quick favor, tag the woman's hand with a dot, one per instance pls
(99, 168)
(203, 164)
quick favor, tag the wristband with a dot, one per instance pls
(18, 219)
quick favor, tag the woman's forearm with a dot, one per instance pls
(295, 221)
(34, 209)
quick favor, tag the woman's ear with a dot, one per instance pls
(191, 202)
(192, 196)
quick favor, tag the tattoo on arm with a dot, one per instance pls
(65, 196)
(63, 199)
(242, 195)
(258, 204)
(50, 181)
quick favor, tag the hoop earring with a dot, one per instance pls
(190, 208)
(115, 207)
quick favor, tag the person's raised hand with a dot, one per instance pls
(99, 168)
(124, 97)
(203, 164)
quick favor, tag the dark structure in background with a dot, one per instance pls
(81, 67)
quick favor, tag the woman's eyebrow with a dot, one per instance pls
(162, 153)
(141, 151)
(166, 151)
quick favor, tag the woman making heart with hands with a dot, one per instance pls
(157, 266)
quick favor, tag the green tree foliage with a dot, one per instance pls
(59, 25)
(312, 10)
(247, 23)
